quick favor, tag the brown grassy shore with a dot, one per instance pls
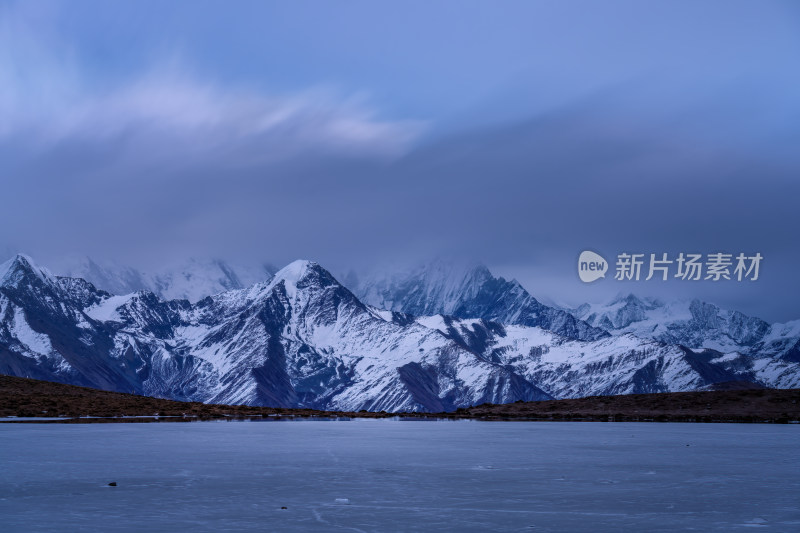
(22, 397)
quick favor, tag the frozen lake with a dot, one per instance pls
(399, 476)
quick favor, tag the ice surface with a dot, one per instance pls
(399, 476)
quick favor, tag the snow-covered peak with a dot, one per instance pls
(432, 288)
(469, 291)
(20, 267)
(627, 299)
(108, 276)
(691, 323)
(192, 279)
(297, 276)
(627, 309)
(787, 329)
(295, 271)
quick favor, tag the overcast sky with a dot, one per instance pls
(366, 134)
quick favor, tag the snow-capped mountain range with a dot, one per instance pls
(434, 343)
(695, 324)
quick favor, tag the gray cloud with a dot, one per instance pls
(51, 99)
(200, 121)
(524, 198)
(166, 164)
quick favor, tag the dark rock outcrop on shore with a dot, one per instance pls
(735, 403)
(23, 397)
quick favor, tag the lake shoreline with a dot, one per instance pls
(24, 400)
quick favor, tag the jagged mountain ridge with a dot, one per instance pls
(472, 292)
(695, 324)
(620, 364)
